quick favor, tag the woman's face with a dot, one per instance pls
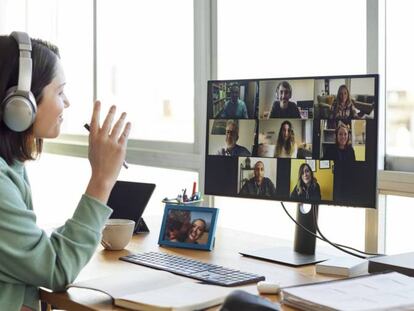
(196, 230)
(343, 95)
(342, 137)
(285, 132)
(306, 175)
(49, 116)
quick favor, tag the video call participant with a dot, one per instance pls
(343, 108)
(29, 258)
(307, 187)
(259, 185)
(198, 227)
(235, 107)
(286, 145)
(342, 150)
(283, 107)
(232, 136)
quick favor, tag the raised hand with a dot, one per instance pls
(107, 150)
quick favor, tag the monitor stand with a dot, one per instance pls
(303, 252)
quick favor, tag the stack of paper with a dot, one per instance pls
(389, 291)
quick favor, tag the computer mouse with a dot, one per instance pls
(266, 287)
(242, 301)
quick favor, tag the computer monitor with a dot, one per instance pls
(308, 140)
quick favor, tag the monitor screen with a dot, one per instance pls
(311, 140)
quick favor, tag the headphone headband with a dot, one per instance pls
(18, 108)
(25, 60)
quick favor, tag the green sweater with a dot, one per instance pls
(28, 257)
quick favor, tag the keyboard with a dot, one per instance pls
(208, 273)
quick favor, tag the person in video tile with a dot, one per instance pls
(259, 185)
(198, 227)
(307, 187)
(283, 107)
(286, 146)
(235, 107)
(343, 108)
(342, 150)
(232, 135)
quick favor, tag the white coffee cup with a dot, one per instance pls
(117, 233)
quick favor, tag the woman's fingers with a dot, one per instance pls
(107, 130)
(94, 126)
(116, 130)
(106, 126)
(125, 134)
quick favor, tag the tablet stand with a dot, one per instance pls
(141, 226)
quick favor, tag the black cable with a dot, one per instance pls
(323, 238)
(341, 245)
(331, 243)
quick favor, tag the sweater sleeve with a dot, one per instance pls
(29, 256)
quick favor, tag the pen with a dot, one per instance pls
(86, 125)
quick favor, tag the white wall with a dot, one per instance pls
(334, 85)
(362, 86)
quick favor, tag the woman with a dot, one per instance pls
(307, 187)
(29, 258)
(343, 108)
(286, 146)
(342, 150)
(198, 227)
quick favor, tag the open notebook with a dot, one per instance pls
(156, 290)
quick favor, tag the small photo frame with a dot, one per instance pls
(188, 227)
(324, 164)
(312, 164)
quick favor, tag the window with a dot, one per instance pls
(146, 65)
(399, 74)
(268, 38)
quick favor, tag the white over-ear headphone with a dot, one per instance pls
(19, 106)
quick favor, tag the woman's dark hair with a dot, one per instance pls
(300, 186)
(24, 146)
(289, 144)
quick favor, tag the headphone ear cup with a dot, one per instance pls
(19, 110)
